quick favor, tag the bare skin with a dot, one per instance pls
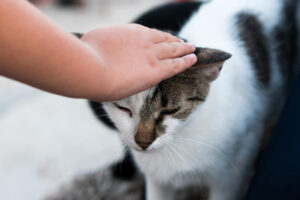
(107, 64)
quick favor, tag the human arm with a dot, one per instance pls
(108, 64)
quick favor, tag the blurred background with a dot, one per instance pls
(45, 140)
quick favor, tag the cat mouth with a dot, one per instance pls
(139, 149)
(142, 147)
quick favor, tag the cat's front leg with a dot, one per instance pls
(156, 191)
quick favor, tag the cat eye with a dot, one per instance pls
(163, 113)
(196, 99)
(128, 111)
(170, 112)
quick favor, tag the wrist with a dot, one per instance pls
(98, 85)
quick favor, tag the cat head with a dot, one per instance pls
(148, 120)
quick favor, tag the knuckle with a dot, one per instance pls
(185, 47)
(173, 38)
(177, 65)
(169, 35)
(165, 37)
(167, 48)
(175, 49)
(146, 45)
(153, 61)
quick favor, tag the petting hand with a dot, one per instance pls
(136, 58)
(107, 64)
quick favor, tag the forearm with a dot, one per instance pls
(37, 52)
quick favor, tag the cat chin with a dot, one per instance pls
(151, 149)
(156, 146)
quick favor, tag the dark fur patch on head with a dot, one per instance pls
(164, 100)
(148, 109)
(180, 90)
(285, 40)
(254, 40)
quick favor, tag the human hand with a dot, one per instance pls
(136, 58)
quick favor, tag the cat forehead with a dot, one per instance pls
(170, 91)
(145, 103)
(137, 101)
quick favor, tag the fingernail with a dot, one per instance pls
(192, 57)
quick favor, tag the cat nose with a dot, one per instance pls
(145, 137)
(143, 145)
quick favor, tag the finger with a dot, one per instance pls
(171, 67)
(173, 50)
(160, 36)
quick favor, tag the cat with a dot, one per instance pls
(203, 127)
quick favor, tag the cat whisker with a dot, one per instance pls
(223, 155)
(178, 155)
(192, 173)
(186, 153)
(169, 156)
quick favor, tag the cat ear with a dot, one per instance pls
(210, 62)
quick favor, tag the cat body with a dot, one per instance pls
(183, 136)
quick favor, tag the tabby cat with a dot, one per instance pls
(203, 128)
